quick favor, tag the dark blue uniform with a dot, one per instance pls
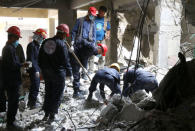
(12, 79)
(139, 80)
(32, 55)
(2, 91)
(84, 35)
(109, 77)
(54, 63)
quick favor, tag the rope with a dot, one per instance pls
(138, 34)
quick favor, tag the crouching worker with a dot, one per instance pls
(54, 63)
(11, 74)
(34, 72)
(139, 79)
(107, 76)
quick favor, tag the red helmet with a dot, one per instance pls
(104, 47)
(63, 28)
(14, 30)
(41, 32)
(92, 10)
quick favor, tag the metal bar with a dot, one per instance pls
(79, 62)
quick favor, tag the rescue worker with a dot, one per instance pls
(34, 72)
(102, 34)
(11, 73)
(107, 76)
(20, 53)
(83, 45)
(2, 90)
(138, 79)
(54, 63)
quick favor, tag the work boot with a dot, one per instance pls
(51, 118)
(12, 126)
(78, 95)
(45, 118)
(32, 105)
(89, 98)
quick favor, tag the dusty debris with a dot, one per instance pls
(131, 112)
(107, 114)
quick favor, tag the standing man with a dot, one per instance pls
(83, 45)
(34, 72)
(102, 34)
(54, 63)
(2, 90)
(11, 73)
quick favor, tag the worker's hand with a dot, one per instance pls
(107, 36)
(37, 74)
(72, 43)
(105, 102)
(71, 49)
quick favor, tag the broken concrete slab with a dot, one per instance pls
(107, 114)
(131, 112)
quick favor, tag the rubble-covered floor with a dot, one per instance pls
(83, 114)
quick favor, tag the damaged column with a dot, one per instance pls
(167, 40)
(114, 37)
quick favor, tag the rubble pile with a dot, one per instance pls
(172, 108)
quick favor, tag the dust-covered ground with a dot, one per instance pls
(74, 114)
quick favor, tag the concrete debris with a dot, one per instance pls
(107, 114)
(131, 112)
(139, 96)
(117, 129)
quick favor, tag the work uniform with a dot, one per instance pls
(84, 36)
(54, 63)
(102, 25)
(109, 77)
(20, 53)
(12, 79)
(32, 55)
(2, 90)
(138, 80)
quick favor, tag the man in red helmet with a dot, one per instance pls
(83, 45)
(102, 34)
(11, 73)
(54, 63)
(34, 72)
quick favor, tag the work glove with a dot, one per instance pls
(72, 43)
(37, 74)
(71, 49)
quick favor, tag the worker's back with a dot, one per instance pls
(53, 58)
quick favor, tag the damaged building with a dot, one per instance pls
(155, 35)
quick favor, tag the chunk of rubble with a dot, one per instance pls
(108, 113)
(131, 112)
